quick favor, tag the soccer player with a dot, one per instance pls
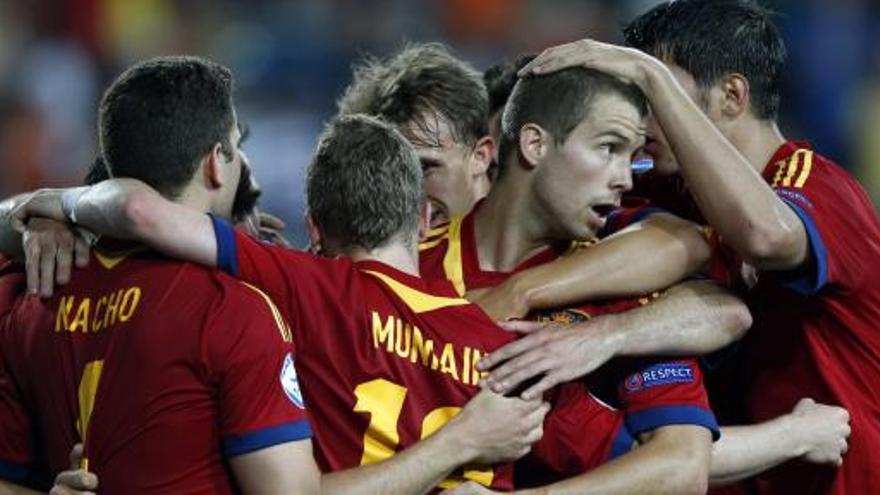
(450, 103)
(805, 232)
(154, 364)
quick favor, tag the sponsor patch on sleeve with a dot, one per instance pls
(659, 374)
(290, 382)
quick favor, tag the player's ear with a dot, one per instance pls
(533, 145)
(314, 234)
(213, 163)
(482, 156)
(735, 95)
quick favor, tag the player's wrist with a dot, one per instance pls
(793, 435)
(69, 200)
(453, 445)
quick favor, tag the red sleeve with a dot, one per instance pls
(16, 431)
(663, 393)
(273, 269)
(831, 207)
(250, 356)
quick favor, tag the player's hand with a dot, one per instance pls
(551, 352)
(502, 302)
(493, 429)
(469, 488)
(75, 481)
(272, 229)
(824, 430)
(44, 203)
(51, 249)
(628, 64)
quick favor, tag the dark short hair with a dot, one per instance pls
(160, 116)
(405, 88)
(247, 195)
(97, 172)
(711, 38)
(559, 102)
(500, 80)
(364, 184)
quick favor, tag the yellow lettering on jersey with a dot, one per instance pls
(403, 340)
(93, 316)
(81, 320)
(805, 171)
(129, 303)
(383, 334)
(447, 362)
(62, 319)
(383, 401)
(421, 349)
(793, 166)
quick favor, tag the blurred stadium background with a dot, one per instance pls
(292, 59)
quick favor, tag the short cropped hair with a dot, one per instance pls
(500, 80)
(364, 185)
(160, 116)
(409, 86)
(559, 102)
(711, 38)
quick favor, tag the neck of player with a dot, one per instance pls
(400, 255)
(507, 228)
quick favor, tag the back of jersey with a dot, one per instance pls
(132, 357)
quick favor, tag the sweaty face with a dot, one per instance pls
(578, 183)
(448, 168)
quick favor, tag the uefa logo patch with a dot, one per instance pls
(659, 374)
(290, 383)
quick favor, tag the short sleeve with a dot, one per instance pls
(250, 355)
(656, 393)
(17, 456)
(271, 268)
(831, 209)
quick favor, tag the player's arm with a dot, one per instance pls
(614, 267)
(816, 433)
(692, 318)
(288, 468)
(671, 459)
(732, 196)
(490, 429)
(126, 209)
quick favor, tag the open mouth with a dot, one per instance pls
(602, 210)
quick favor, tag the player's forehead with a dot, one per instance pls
(612, 114)
(433, 139)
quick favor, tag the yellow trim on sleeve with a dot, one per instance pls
(417, 300)
(283, 327)
(429, 244)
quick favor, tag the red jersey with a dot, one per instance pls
(387, 358)
(649, 393)
(816, 332)
(163, 369)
